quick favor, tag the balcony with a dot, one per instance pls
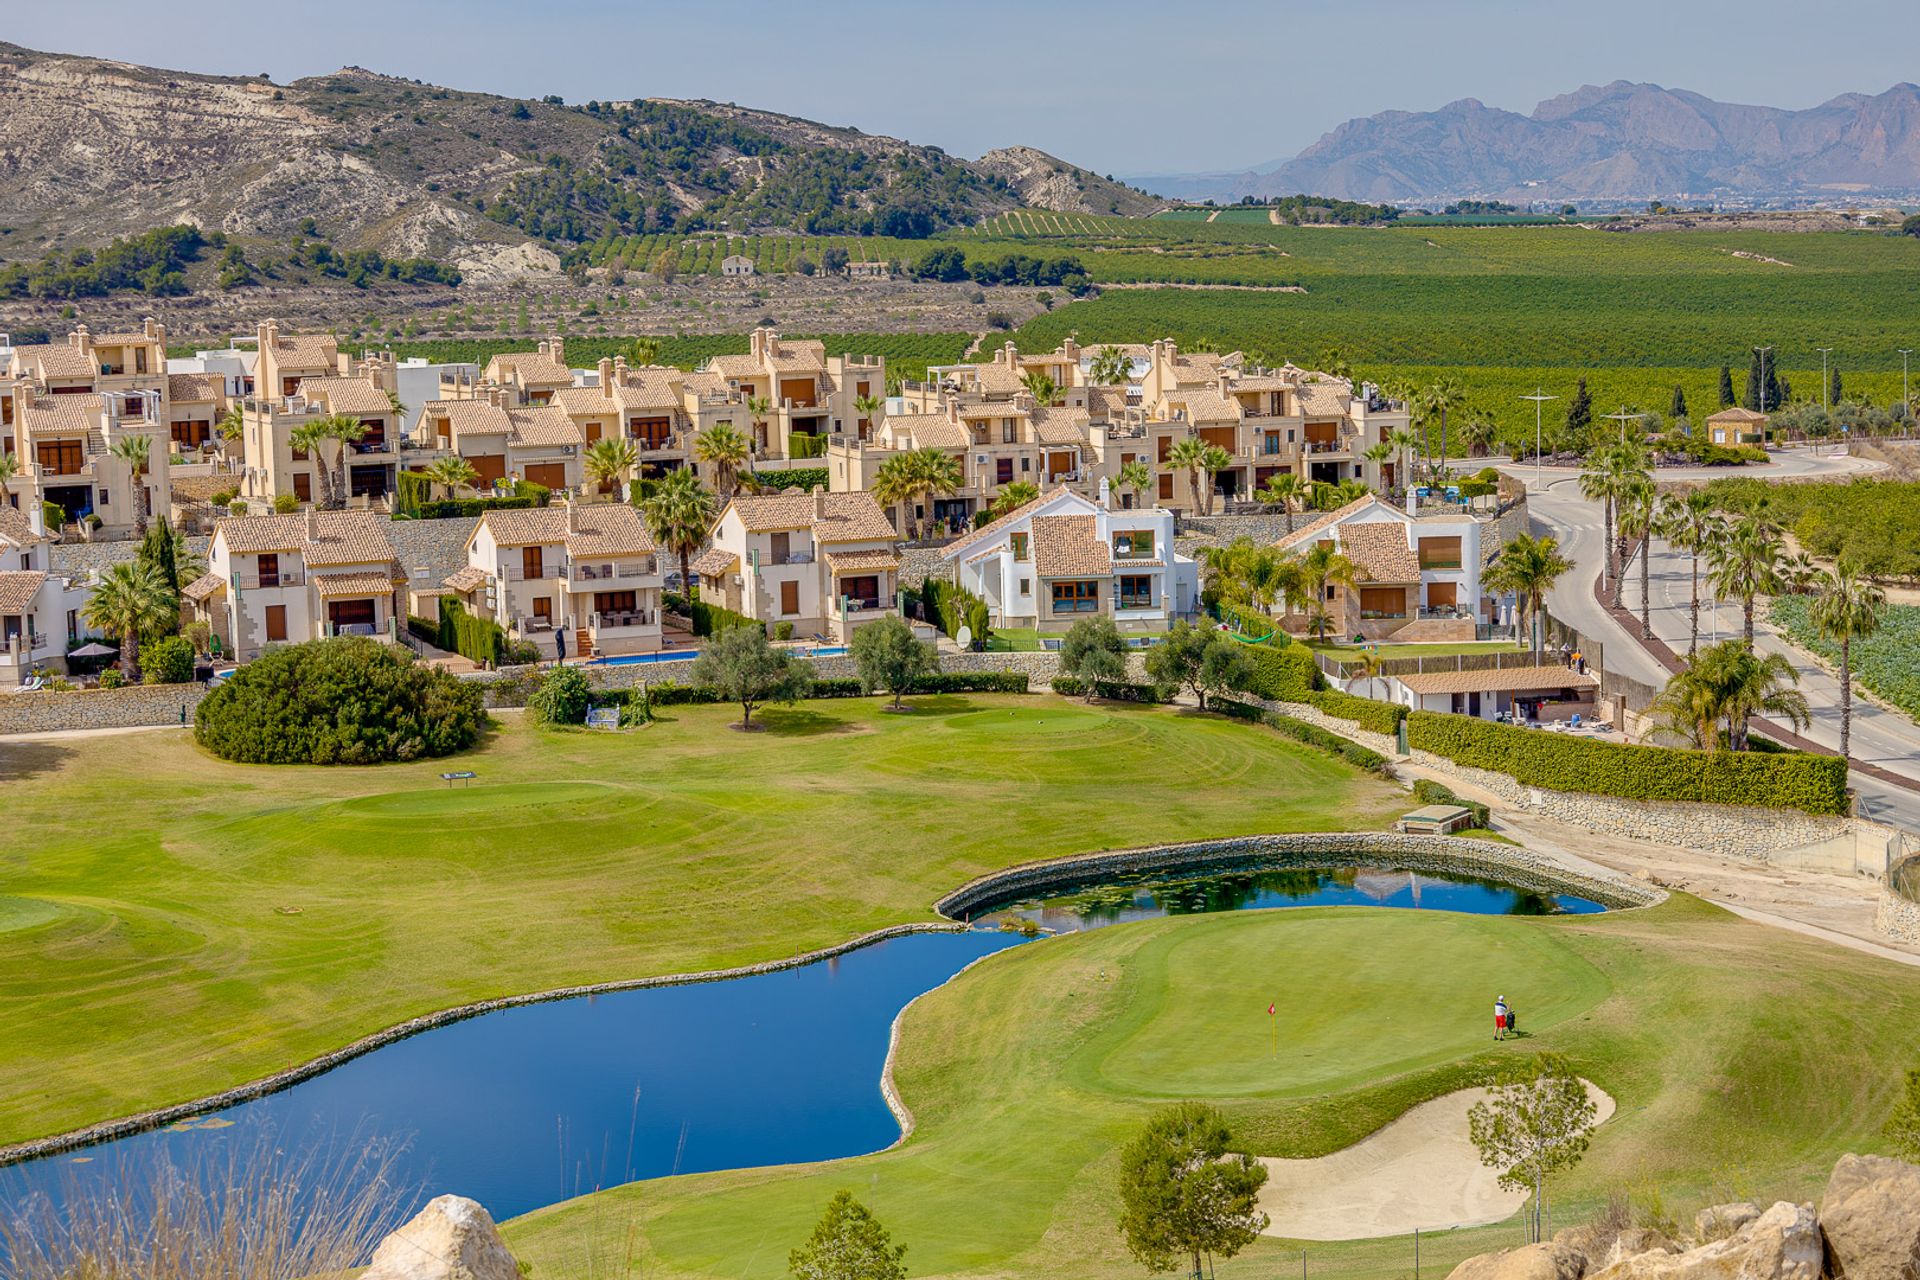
(598, 622)
(363, 447)
(615, 573)
(269, 581)
(518, 573)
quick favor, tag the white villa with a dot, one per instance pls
(288, 578)
(591, 571)
(826, 562)
(1064, 556)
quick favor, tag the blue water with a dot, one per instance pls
(685, 655)
(527, 1106)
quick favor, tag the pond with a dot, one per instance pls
(526, 1106)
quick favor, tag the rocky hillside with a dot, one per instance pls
(1620, 141)
(90, 149)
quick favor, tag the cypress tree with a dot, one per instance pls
(160, 550)
(1579, 416)
(1726, 387)
(1756, 397)
(1833, 385)
(1678, 409)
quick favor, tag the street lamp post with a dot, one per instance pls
(1762, 352)
(1623, 418)
(1906, 396)
(1539, 398)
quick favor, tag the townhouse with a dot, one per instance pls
(39, 613)
(274, 579)
(275, 465)
(1417, 578)
(824, 562)
(802, 395)
(1064, 556)
(70, 412)
(588, 577)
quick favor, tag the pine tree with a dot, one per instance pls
(1579, 416)
(1726, 387)
(1678, 409)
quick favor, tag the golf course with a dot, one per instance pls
(1743, 1060)
(177, 925)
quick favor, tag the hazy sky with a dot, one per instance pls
(1121, 86)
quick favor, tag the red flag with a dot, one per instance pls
(1270, 1010)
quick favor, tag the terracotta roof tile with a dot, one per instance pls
(346, 395)
(862, 561)
(1069, 547)
(530, 369)
(1379, 550)
(64, 413)
(298, 351)
(204, 587)
(361, 582)
(194, 388)
(54, 360)
(850, 517)
(18, 587)
(715, 562)
(470, 417)
(994, 526)
(1324, 399)
(341, 537)
(1319, 523)
(1504, 680)
(603, 529)
(1061, 426)
(466, 580)
(544, 427)
(15, 528)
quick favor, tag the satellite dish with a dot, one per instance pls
(965, 638)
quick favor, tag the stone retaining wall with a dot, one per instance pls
(134, 706)
(1437, 853)
(1897, 918)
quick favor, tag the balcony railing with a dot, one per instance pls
(631, 618)
(268, 581)
(370, 446)
(615, 573)
(518, 573)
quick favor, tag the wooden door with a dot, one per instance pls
(789, 597)
(276, 622)
(551, 475)
(532, 564)
(488, 467)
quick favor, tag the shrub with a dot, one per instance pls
(480, 640)
(744, 668)
(1311, 734)
(971, 682)
(286, 504)
(168, 660)
(889, 656)
(1092, 654)
(1203, 660)
(1282, 673)
(111, 678)
(783, 631)
(562, 697)
(1378, 717)
(343, 701)
(1112, 690)
(802, 478)
(1815, 784)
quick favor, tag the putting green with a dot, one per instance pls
(1743, 1059)
(176, 925)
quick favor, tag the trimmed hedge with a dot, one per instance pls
(1290, 674)
(1427, 791)
(709, 619)
(1368, 713)
(1112, 690)
(1310, 734)
(801, 478)
(477, 639)
(669, 694)
(1560, 762)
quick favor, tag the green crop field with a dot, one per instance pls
(1744, 1060)
(241, 919)
(908, 354)
(1887, 662)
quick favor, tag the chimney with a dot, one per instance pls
(620, 370)
(606, 377)
(149, 327)
(23, 395)
(81, 337)
(557, 345)
(819, 503)
(542, 348)
(573, 517)
(37, 518)
(1106, 494)
(269, 334)
(313, 525)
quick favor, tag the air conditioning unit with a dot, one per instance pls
(567, 449)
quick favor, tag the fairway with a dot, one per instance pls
(176, 925)
(1743, 1059)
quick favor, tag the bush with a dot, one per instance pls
(1815, 784)
(1427, 791)
(1311, 734)
(1282, 673)
(111, 678)
(344, 701)
(802, 478)
(1378, 717)
(562, 697)
(168, 660)
(783, 631)
(1112, 690)
(480, 640)
(971, 682)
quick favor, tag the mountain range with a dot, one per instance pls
(92, 148)
(1621, 141)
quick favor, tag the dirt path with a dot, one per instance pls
(1420, 1172)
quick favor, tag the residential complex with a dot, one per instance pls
(39, 612)
(286, 578)
(823, 562)
(588, 577)
(1417, 578)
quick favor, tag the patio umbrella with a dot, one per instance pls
(91, 650)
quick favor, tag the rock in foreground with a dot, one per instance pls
(1871, 1218)
(453, 1238)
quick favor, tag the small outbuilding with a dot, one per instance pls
(1436, 820)
(736, 265)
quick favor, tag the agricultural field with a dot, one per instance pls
(908, 354)
(1887, 662)
(1874, 523)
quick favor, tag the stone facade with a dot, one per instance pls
(135, 706)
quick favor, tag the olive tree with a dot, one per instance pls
(1203, 661)
(1184, 1194)
(887, 655)
(1534, 1122)
(742, 667)
(1093, 654)
(848, 1244)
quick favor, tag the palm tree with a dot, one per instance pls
(646, 351)
(726, 450)
(129, 602)
(1378, 453)
(9, 466)
(1799, 574)
(608, 460)
(1688, 522)
(454, 473)
(344, 431)
(1013, 496)
(1528, 567)
(1286, 490)
(1369, 663)
(310, 438)
(869, 408)
(758, 407)
(1110, 367)
(1728, 684)
(1324, 566)
(233, 423)
(1042, 388)
(894, 486)
(1136, 476)
(936, 473)
(679, 515)
(1188, 454)
(1849, 608)
(1611, 473)
(1438, 400)
(136, 450)
(1331, 361)
(1403, 441)
(1745, 564)
(1213, 460)
(1638, 510)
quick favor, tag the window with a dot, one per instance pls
(1003, 470)
(782, 547)
(269, 566)
(276, 622)
(1026, 586)
(543, 609)
(864, 589)
(106, 498)
(615, 601)
(532, 566)
(1133, 544)
(1026, 464)
(352, 613)
(1136, 592)
(1439, 553)
(1383, 602)
(1166, 487)
(1009, 434)
(1076, 597)
(1020, 546)
(303, 486)
(61, 457)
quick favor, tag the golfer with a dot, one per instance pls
(1500, 1018)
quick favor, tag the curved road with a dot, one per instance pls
(1880, 737)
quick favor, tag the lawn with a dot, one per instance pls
(1744, 1060)
(238, 919)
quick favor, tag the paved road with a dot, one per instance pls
(1880, 737)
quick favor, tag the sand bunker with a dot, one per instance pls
(1420, 1171)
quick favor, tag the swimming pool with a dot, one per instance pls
(683, 655)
